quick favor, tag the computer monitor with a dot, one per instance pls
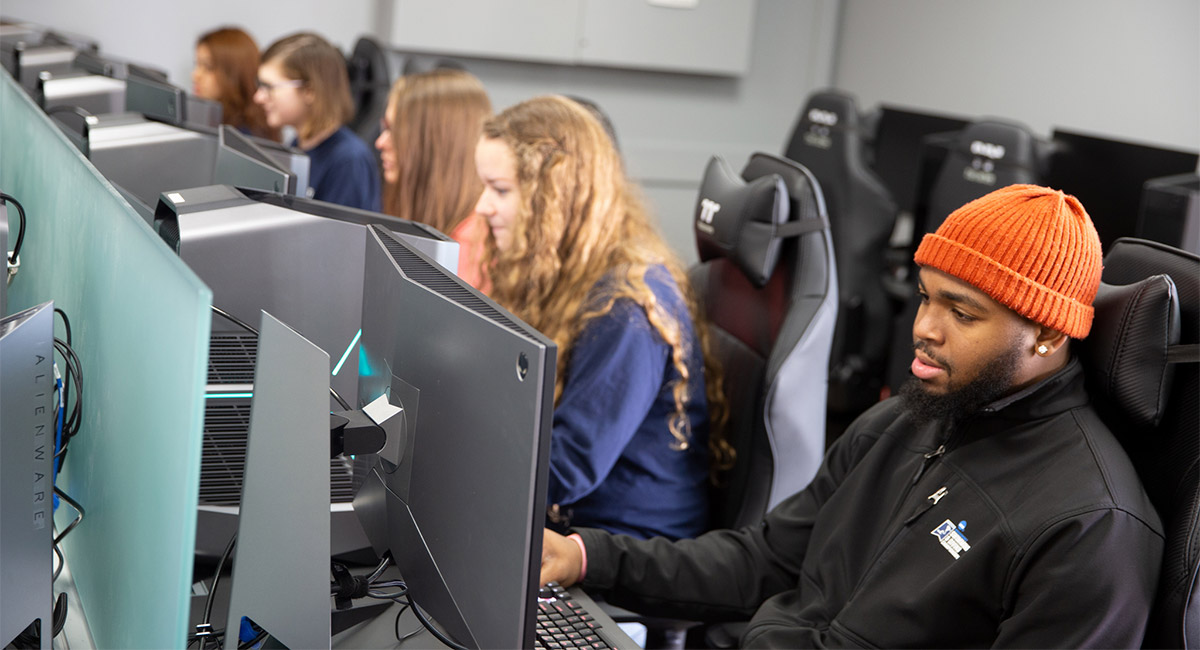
(302, 261)
(1107, 176)
(459, 498)
(243, 163)
(115, 67)
(898, 149)
(155, 99)
(1170, 211)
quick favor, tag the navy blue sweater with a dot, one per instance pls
(342, 170)
(612, 459)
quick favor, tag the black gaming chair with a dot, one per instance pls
(985, 156)
(1143, 373)
(768, 286)
(828, 141)
(372, 68)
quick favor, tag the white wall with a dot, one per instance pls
(164, 33)
(1110, 67)
(668, 124)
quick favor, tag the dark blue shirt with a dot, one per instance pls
(613, 461)
(342, 170)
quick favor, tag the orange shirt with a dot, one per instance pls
(471, 235)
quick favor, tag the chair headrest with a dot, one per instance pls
(740, 220)
(1126, 354)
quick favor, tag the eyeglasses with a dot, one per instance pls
(270, 88)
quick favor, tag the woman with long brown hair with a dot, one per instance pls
(427, 152)
(573, 252)
(226, 71)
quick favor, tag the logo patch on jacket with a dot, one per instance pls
(952, 537)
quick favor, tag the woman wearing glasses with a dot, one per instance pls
(427, 151)
(302, 83)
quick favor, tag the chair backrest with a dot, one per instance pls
(371, 68)
(1141, 360)
(828, 141)
(767, 284)
(986, 155)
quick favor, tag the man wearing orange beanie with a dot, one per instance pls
(987, 505)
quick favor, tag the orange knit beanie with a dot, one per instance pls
(1030, 248)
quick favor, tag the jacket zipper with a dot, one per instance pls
(929, 458)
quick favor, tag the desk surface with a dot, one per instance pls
(380, 632)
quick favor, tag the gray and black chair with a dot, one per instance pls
(768, 285)
(1143, 367)
(828, 140)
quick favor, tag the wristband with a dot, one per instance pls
(582, 552)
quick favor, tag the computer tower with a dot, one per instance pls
(27, 417)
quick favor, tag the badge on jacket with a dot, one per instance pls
(952, 537)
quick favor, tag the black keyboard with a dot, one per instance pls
(563, 623)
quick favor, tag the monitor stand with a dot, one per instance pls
(281, 564)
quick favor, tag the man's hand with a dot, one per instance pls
(561, 559)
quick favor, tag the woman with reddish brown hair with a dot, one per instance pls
(226, 71)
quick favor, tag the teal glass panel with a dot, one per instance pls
(140, 321)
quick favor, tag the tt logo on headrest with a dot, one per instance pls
(828, 118)
(708, 209)
(993, 151)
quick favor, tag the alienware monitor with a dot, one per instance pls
(458, 495)
(243, 163)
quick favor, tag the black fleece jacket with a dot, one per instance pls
(1023, 526)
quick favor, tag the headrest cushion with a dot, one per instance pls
(1126, 353)
(736, 219)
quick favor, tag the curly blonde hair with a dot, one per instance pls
(579, 221)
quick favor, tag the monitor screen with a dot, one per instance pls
(459, 498)
(243, 163)
(898, 149)
(1170, 211)
(156, 100)
(1107, 176)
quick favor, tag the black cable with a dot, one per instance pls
(75, 378)
(433, 630)
(20, 233)
(205, 624)
(59, 614)
(383, 565)
(66, 323)
(397, 625)
(61, 563)
(78, 508)
(240, 323)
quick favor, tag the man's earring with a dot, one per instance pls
(1042, 350)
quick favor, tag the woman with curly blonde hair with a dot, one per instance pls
(573, 252)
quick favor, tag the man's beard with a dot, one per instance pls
(993, 382)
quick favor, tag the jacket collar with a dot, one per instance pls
(1062, 391)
